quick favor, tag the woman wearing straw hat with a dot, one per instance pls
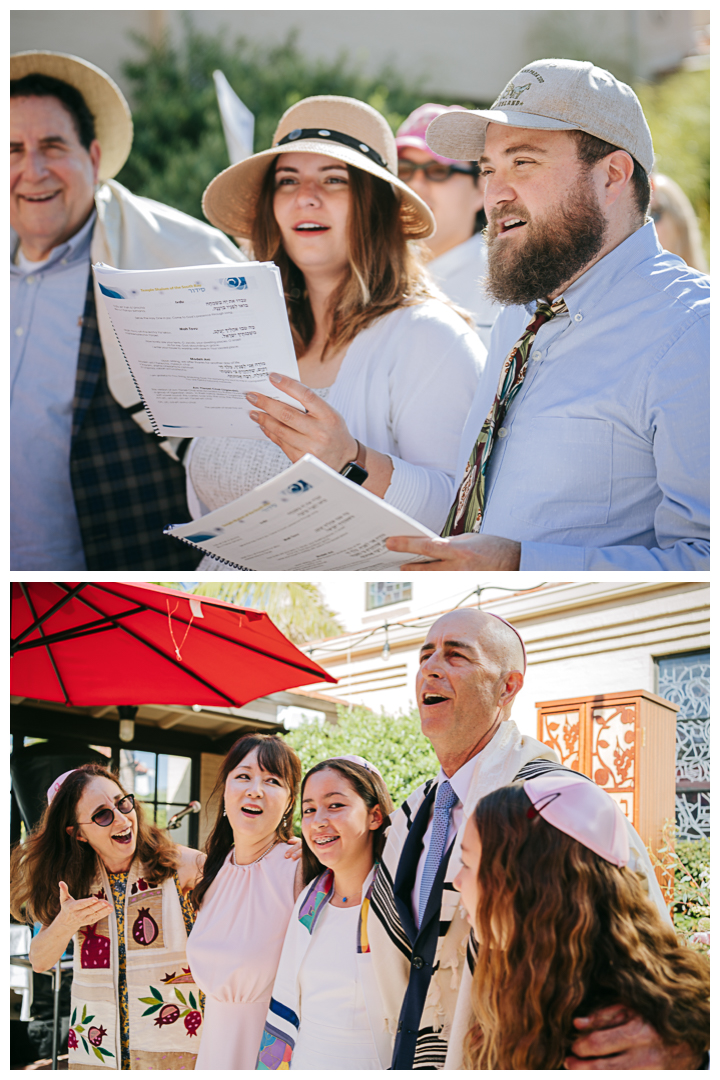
(388, 366)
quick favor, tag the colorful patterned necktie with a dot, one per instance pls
(444, 802)
(467, 510)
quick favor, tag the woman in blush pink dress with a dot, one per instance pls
(244, 897)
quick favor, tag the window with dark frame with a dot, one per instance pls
(163, 784)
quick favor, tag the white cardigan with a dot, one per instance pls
(404, 388)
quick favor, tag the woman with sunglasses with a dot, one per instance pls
(95, 871)
(454, 193)
(387, 365)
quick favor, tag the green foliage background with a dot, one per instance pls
(678, 112)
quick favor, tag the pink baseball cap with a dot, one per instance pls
(578, 807)
(412, 131)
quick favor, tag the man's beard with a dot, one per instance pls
(554, 249)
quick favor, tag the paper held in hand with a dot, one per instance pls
(197, 338)
(306, 518)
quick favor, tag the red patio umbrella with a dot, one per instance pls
(91, 643)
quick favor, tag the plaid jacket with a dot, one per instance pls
(126, 488)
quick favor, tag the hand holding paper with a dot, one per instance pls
(320, 430)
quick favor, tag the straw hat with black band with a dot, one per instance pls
(104, 99)
(339, 127)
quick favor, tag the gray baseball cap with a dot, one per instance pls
(554, 95)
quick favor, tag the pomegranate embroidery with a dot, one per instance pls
(145, 929)
(91, 1038)
(141, 885)
(193, 1020)
(96, 1035)
(95, 949)
(184, 977)
(169, 1013)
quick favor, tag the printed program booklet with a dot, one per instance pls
(309, 517)
(198, 338)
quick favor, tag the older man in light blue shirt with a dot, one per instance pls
(592, 451)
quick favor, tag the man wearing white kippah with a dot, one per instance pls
(472, 666)
(587, 445)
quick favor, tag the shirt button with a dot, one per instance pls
(578, 317)
(418, 962)
(63, 262)
(18, 331)
(502, 432)
(30, 279)
(537, 355)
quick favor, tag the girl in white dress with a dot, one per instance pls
(326, 1010)
(388, 366)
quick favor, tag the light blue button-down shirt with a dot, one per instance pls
(602, 461)
(47, 301)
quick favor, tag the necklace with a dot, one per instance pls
(267, 849)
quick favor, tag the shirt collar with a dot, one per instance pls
(77, 247)
(461, 780)
(590, 288)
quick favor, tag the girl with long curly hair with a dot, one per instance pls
(245, 897)
(94, 870)
(563, 927)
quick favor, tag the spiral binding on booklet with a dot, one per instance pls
(153, 421)
(199, 547)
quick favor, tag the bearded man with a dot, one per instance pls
(587, 444)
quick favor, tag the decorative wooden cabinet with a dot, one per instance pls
(625, 742)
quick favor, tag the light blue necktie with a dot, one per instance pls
(444, 802)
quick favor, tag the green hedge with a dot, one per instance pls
(691, 909)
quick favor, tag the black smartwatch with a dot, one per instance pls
(355, 470)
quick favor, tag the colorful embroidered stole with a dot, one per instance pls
(163, 1000)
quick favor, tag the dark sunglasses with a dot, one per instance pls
(106, 816)
(434, 170)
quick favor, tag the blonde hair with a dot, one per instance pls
(668, 198)
(385, 270)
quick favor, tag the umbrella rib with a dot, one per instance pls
(218, 634)
(70, 595)
(156, 649)
(30, 604)
(55, 639)
(96, 627)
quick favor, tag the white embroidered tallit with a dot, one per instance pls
(163, 1000)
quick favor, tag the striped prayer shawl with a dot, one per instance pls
(508, 756)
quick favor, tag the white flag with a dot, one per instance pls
(237, 120)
